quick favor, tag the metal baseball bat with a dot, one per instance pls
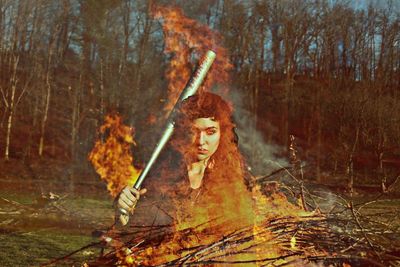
(190, 89)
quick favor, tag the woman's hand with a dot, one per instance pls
(127, 201)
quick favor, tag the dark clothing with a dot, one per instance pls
(167, 186)
(162, 201)
(171, 200)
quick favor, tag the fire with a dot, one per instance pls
(229, 209)
(112, 157)
(293, 242)
(200, 233)
(187, 39)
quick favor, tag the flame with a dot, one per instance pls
(220, 213)
(186, 39)
(293, 242)
(112, 157)
(203, 232)
(227, 207)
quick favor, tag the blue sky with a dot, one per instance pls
(378, 3)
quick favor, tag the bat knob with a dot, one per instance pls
(123, 217)
(123, 211)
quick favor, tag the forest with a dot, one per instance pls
(324, 74)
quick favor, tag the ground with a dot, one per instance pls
(43, 219)
(36, 228)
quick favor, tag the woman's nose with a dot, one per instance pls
(201, 138)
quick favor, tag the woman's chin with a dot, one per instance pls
(201, 157)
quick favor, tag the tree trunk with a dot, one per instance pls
(142, 49)
(102, 102)
(258, 71)
(46, 111)
(48, 92)
(11, 108)
(75, 118)
(125, 51)
(319, 135)
(1, 28)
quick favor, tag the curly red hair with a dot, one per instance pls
(226, 180)
(207, 105)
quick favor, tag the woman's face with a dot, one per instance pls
(208, 134)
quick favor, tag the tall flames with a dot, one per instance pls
(112, 158)
(186, 40)
(237, 207)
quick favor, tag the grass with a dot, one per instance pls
(38, 234)
(37, 247)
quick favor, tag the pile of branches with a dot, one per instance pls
(338, 232)
(301, 241)
(338, 236)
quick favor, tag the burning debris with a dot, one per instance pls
(326, 239)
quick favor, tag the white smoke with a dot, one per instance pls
(262, 157)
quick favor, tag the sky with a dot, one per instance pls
(379, 3)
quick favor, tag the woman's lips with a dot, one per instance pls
(202, 151)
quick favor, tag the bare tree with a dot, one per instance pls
(47, 82)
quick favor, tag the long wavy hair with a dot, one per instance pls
(181, 148)
(224, 184)
(207, 105)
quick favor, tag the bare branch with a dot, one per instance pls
(4, 97)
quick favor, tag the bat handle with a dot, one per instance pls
(123, 216)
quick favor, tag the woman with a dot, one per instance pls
(200, 176)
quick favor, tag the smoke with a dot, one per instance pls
(262, 157)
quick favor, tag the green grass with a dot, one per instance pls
(39, 234)
(22, 198)
(38, 247)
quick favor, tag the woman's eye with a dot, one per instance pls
(211, 132)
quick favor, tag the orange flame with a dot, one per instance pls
(263, 241)
(228, 206)
(112, 158)
(186, 39)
